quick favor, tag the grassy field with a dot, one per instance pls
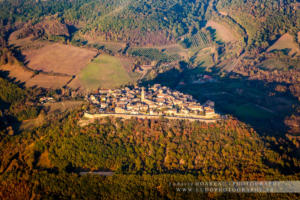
(245, 20)
(272, 64)
(223, 32)
(105, 72)
(203, 58)
(286, 42)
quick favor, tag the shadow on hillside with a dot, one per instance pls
(251, 101)
(233, 97)
(18, 54)
(9, 119)
(5, 75)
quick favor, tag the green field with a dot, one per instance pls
(105, 72)
(203, 58)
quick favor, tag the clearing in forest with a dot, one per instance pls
(286, 42)
(223, 32)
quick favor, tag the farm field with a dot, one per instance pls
(18, 72)
(175, 50)
(286, 42)
(246, 21)
(59, 58)
(203, 58)
(153, 54)
(272, 64)
(30, 79)
(199, 40)
(106, 72)
(113, 46)
(222, 31)
(48, 81)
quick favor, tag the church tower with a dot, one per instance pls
(143, 94)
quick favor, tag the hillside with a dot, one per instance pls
(55, 55)
(213, 37)
(148, 153)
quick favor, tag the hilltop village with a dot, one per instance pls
(154, 101)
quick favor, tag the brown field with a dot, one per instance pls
(47, 81)
(286, 42)
(22, 75)
(18, 72)
(223, 32)
(59, 62)
(59, 58)
(76, 84)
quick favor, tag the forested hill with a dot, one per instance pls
(244, 55)
(125, 20)
(264, 20)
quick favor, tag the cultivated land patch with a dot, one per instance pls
(105, 71)
(59, 58)
(286, 42)
(26, 43)
(48, 81)
(203, 58)
(113, 46)
(170, 49)
(18, 72)
(30, 79)
(223, 32)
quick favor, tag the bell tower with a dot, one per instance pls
(143, 94)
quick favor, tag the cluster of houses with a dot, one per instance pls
(156, 100)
